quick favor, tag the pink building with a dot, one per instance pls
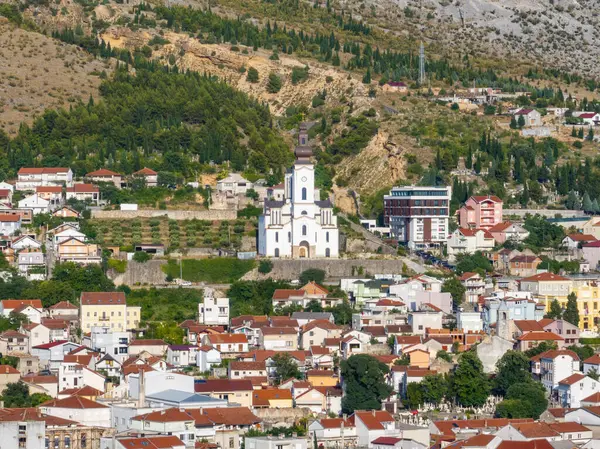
(481, 212)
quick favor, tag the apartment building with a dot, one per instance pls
(30, 178)
(107, 309)
(481, 212)
(418, 216)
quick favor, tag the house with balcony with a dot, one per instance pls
(105, 175)
(213, 311)
(30, 178)
(78, 251)
(149, 176)
(107, 309)
(86, 193)
(469, 241)
(525, 265)
(474, 285)
(508, 231)
(481, 212)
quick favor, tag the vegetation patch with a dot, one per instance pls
(217, 270)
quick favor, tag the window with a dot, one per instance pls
(327, 237)
(303, 229)
(231, 442)
(67, 441)
(277, 236)
(276, 252)
(327, 252)
(303, 193)
(304, 212)
(289, 237)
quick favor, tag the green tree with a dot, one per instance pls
(572, 202)
(593, 373)
(523, 400)
(590, 135)
(583, 352)
(265, 266)
(414, 395)
(542, 347)
(313, 306)
(513, 367)
(274, 84)
(470, 386)
(365, 385)
(587, 204)
(342, 313)
(285, 367)
(573, 132)
(312, 274)
(571, 313)
(434, 388)
(456, 289)
(555, 312)
(16, 395)
(521, 121)
(476, 262)
(513, 123)
(252, 75)
(141, 256)
(367, 77)
(580, 133)
(169, 331)
(444, 355)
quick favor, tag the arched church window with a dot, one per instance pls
(304, 212)
(303, 229)
(276, 252)
(303, 193)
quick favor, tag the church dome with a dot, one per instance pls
(303, 152)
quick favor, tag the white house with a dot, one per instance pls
(36, 203)
(31, 260)
(20, 305)
(207, 357)
(531, 116)
(80, 409)
(30, 178)
(213, 311)
(84, 192)
(301, 225)
(557, 365)
(589, 118)
(573, 389)
(469, 241)
(227, 343)
(9, 224)
(25, 242)
(67, 233)
(330, 432)
(182, 355)
(371, 425)
(234, 184)
(149, 176)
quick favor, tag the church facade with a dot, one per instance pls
(299, 225)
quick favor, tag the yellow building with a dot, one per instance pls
(588, 304)
(321, 378)
(107, 309)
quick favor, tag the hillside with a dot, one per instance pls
(38, 73)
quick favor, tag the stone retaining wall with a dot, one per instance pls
(171, 214)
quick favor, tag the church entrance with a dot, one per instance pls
(304, 250)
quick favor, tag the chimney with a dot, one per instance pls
(142, 390)
(374, 412)
(162, 412)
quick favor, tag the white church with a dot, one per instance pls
(299, 226)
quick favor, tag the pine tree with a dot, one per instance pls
(477, 165)
(571, 313)
(367, 78)
(252, 76)
(469, 159)
(580, 133)
(274, 84)
(521, 121)
(555, 311)
(525, 196)
(573, 132)
(587, 205)
(336, 60)
(595, 206)
(590, 135)
(513, 123)
(572, 202)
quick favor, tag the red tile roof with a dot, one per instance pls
(386, 441)
(468, 275)
(543, 277)
(278, 331)
(471, 232)
(535, 430)
(564, 427)
(48, 189)
(448, 427)
(247, 366)
(41, 170)
(153, 442)
(231, 416)
(553, 353)
(499, 227)
(34, 414)
(572, 379)
(481, 198)
(335, 423)
(540, 336)
(529, 325)
(74, 402)
(282, 293)
(34, 379)
(15, 303)
(63, 305)
(83, 391)
(103, 298)
(147, 342)
(312, 288)
(103, 172)
(408, 339)
(51, 344)
(7, 369)
(146, 172)
(582, 237)
(222, 385)
(227, 339)
(264, 397)
(83, 188)
(164, 416)
(533, 444)
(373, 420)
(321, 324)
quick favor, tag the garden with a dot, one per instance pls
(173, 234)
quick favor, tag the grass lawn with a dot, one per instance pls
(220, 270)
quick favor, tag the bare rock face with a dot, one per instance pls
(558, 33)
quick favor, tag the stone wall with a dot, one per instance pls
(171, 214)
(141, 273)
(336, 269)
(286, 417)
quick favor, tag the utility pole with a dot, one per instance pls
(421, 64)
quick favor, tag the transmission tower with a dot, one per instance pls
(422, 64)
